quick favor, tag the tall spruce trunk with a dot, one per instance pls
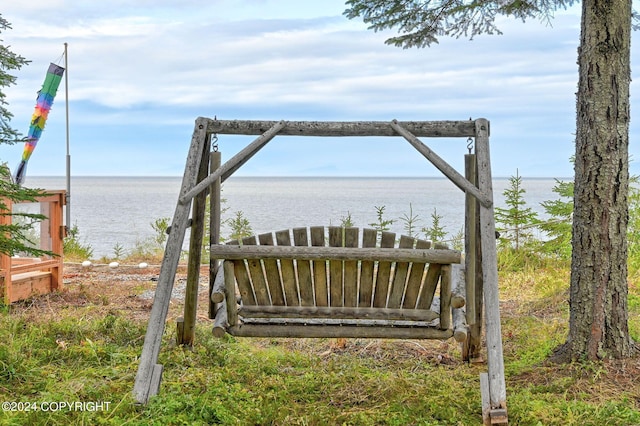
(598, 323)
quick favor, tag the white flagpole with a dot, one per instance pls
(66, 95)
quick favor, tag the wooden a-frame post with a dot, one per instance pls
(149, 373)
(194, 183)
(492, 384)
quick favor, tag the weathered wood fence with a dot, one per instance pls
(204, 173)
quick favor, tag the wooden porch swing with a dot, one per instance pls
(334, 281)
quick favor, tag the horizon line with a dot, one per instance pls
(292, 176)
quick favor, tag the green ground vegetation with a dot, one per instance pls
(89, 353)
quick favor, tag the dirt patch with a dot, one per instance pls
(128, 289)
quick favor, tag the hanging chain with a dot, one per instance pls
(470, 144)
(214, 138)
(214, 142)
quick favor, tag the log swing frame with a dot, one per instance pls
(204, 174)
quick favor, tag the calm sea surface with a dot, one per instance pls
(111, 211)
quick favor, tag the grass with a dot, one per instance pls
(83, 346)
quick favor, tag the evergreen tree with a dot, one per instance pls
(382, 224)
(9, 61)
(240, 226)
(17, 237)
(410, 221)
(517, 219)
(558, 227)
(436, 232)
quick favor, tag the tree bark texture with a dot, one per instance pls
(598, 325)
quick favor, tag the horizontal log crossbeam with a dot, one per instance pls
(232, 252)
(338, 313)
(353, 331)
(435, 129)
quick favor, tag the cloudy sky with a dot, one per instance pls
(140, 72)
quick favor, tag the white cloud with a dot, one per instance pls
(141, 72)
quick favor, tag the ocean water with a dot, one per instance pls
(118, 211)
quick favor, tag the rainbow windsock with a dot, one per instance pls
(39, 118)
